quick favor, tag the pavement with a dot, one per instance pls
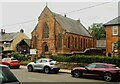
(61, 70)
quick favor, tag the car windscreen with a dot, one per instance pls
(6, 76)
(13, 59)
(51, 60)
(6, 59)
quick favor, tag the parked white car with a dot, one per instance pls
(44, 64)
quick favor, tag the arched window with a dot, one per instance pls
(81, 46)
(59, 41)
(86, 43)
(79, 43)
(34, 42)
(75, 42)
(68, 41)
(45, 31)
(45, 48)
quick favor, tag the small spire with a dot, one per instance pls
(46, 4)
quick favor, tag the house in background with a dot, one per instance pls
(101, 44)
(112, 35)
(60, 35)
(14, 41)
(23, 46)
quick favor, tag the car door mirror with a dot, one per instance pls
(86, 67)
(35, 62)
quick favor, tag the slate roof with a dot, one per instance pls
(115, 21)
(8, 36)
(71, 26)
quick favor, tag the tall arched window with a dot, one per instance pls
(75, 43)
(45, 48)
(68, 41)
(45, 31)
(59, 41)
(79, 43)
(86, 43)
(34, 42)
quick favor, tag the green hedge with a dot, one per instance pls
(87, 59)
(25, 62)
(73, 58)
(20, 57)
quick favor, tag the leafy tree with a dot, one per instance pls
(97, 30)
(118, 46)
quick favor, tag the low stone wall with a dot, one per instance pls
(68, 65)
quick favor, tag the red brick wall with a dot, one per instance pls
(54, 30)
(110, 39)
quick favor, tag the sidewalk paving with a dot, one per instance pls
(61, 70)
(65, 71)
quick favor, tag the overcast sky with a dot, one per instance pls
(27, 13)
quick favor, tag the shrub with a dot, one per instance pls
(86, 59)
(25, 62)
(18, 56)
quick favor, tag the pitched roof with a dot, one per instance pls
(8, 36)
(27, 41)
(71, 26)
(115, 21)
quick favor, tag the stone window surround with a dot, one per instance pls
(114, 30)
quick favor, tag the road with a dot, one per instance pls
(24, 76)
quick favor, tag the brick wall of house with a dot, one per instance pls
(111, 39)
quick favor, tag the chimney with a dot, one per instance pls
(78, 20)
(2, 31)
(65, 15)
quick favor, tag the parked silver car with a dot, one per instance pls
(44, 64)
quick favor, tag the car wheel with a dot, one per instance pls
(107, 76)
(30, 68)
(76, 74)
(47, 70)
(18, 67)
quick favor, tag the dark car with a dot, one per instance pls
(106, 71)
(6, 76)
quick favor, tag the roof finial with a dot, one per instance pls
(46, 4)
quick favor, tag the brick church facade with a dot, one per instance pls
(60, 35)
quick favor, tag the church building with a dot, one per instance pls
(60, 35)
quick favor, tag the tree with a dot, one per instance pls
(97, 30)
(118, 45)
